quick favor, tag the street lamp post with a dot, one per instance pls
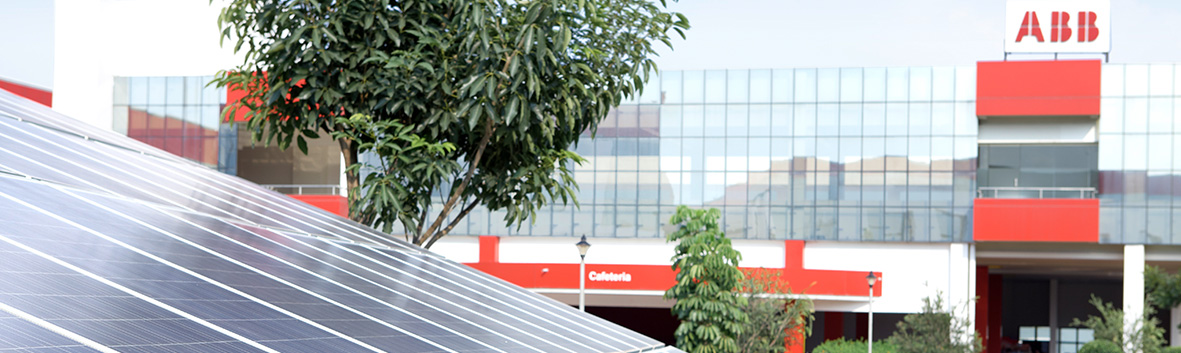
(871, 279)
(583, 246)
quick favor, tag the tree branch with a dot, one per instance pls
(488, 129)
(421, 220)
(454, 222)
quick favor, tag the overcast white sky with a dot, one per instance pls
(730, 34)
(737, 34)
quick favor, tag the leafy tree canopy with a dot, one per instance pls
(707, 299)
(485, 96)
(1163, 288)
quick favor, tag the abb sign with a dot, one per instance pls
(1058, 27)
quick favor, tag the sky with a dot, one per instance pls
(730, 34)
(743, 34)
(26, 42)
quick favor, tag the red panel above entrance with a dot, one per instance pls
(1037, 88)
(1037, 220)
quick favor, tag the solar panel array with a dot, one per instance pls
(108, 244)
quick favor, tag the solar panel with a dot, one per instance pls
(111, 245)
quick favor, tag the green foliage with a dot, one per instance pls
(510, 85)
(841, 345)
(1109, 325)
(1100, 346)
(1163, 288)
(935, 330)
(774, 313)
(1170, 350)
(707, 301)
(388, 186)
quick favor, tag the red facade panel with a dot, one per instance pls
(1037, 88)
(332, 203)
(1037, 220)
(489, 249)
(34, 94)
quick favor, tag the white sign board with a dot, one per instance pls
(1058, 26)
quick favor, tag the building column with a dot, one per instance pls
(982, 310)
(1054, 315)
(1174, 332)
(962, 284)
(1133, 289)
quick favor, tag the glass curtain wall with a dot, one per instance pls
(1140, 166)
(849, 154)
(179, 115)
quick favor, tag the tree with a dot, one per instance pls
(1163, 289)
(774, 314)
(707, 301)
(1148, 337)
(935, 330)
(502, 88)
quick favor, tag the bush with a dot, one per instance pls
(1171, 350)
(935, 330)
(840, 345)
(1100, 346)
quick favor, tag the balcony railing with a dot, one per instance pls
(1018, 192)
(305, 189)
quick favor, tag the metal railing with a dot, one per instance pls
(1021, 192)
(305, 189)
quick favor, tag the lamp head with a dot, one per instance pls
(871, 279)
(583, 246)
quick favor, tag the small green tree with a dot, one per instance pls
(707, 301)
(511, 85)
(935, 330)
(1109, 325)
(775, 314)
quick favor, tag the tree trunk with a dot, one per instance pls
(348, 149)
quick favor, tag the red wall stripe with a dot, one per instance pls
(34, 94)
(662, 277)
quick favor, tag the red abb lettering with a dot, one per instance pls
(1060, 30)
(1029, 26)
(1060, 27)
(1087, 32)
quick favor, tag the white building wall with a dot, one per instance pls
(95, 40)
(910, 272)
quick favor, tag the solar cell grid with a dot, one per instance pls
(235, 275)
(80, 304)
(128, 247)
(32, 112)
(18, 335)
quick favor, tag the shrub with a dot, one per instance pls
(841, 345)
(1100, 346)
(935, 330)
(775, 317)
(1171, 350)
